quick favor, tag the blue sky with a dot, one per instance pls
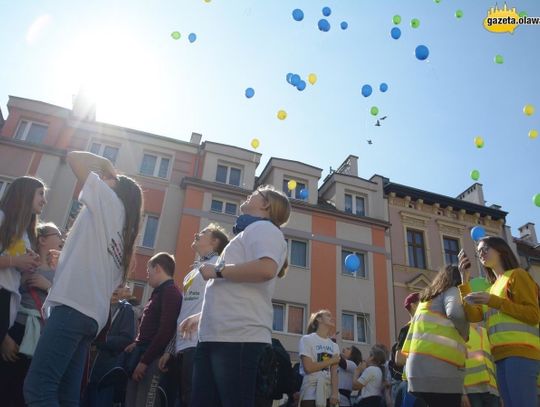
(146, 80)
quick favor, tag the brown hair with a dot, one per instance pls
(130, 193)
(165, 261)
(313, 323)
(447, 277)
(218, 233)
(507, 256)
(17, 205)
(356, 355)
(379, 358)
(45, 229)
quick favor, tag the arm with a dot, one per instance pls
(473, 312)
(342, 363)
(256, 271)
(334, 383)
(454, 311)
(82, 163)
(357, 372)
(311, 367)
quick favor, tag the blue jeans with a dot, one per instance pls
(483, 400)
(516, 378)
(57, 367)
(225, 374)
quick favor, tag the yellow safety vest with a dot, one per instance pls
(479, 366)
(504, 330)
(433, 334)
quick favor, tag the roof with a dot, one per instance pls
(267, 166)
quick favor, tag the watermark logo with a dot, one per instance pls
(506, 20)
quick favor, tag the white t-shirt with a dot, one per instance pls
(372, 379)
(318, 349)
(194, 287)
(10, 277)
(345, 381)
(89, 268)
(242, 312)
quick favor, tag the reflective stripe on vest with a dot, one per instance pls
(479, 366)
(433, 334)
(502, 328)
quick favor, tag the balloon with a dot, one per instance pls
(344, 25)
(479, 284)
(533, 134)
(326, 11)
(374, 110)
(383, 87)
(499, 59)
(459, 14)
(207, 1)
(437, 1)
(249, 93)
(301, 85)
(303, 194)
(352, 262)
(366, 90)
(415, 23)
(477, 233)
(479, 142)
(175, 35)
(396, 19)
(281, 114)
(297, 14)
(288, 77)
(312, 78)
(475, 175)
(536, 200)
(255, 143)
(324, 25)
(528, 110)
(192, 37)
(421, 52)
(395, 33)
(523, 14)
(291, 185)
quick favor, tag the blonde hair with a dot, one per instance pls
(220, 234)
(46, 228)
(313, 323)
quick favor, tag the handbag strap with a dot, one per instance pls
(38, 302)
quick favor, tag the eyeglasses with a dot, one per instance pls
(483, 250)
(52, 234)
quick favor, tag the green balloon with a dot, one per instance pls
(415, 23)
(175, 35)
(374, 110)
(475, 175)
(396, 19)
(459, 13)
(499, 59)
(479, 284)
(523, 14)
(437, 1)
(536, 200)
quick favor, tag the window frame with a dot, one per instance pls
(354, 206)
(454, 239)
(224, 203)
(102, 146)
(29, 124)
(296, 191)
(413, 262)
(5, 184)
(157, 166)
(286, 306)
(355, 275)
(229, 167)
(143, 231)
(289, 252)
(356, 316)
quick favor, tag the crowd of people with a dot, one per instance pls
(69, 336)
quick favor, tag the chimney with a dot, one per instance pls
(195, 138)
(349, 166)
(474, 194)
(84, 106)
(527, 232)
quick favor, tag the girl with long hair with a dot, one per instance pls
(351, 357)
(369, 378)
(435, 344)
(236, 318)
(95, 260)
(511, 313)
(319, 356)
(20, 208)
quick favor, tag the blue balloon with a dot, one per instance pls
(301, 85)
(324, 25)
(249, 93)
(297, 14)
(289, 76)
(366, 90)
(303, 193)
(477, 233)
(383, 87)
(192, 37)
(421, 52)
(395, 33)
(352, 262)
(344, 25)
(295, 79)
(326, 11)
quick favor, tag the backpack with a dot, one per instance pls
(275, 374)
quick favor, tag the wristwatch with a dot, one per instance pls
(219, 268)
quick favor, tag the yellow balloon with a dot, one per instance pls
(528, 110)
(479, 142)
(291, 185)
(533, 134)
(282, 115)
(312, 78)
(255, 143)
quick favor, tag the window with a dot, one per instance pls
(298, 253)
(31, 131)
(104, 150)
(288, 318)
(230, 208)
(149, 231)
(3, 187)
(355, 327)
(296, 192)
(228, 175)
(415, 245)
(451, 250)
(155, 166)
(362, 272)
(355, 205)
